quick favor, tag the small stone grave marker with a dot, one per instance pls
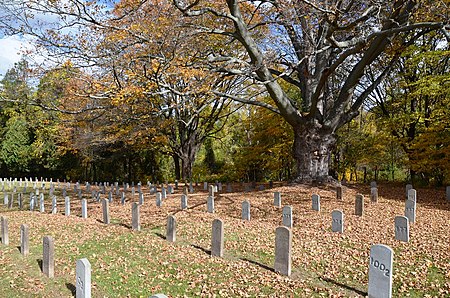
(337, 221)
(83, 279)
(211, 190)
(171, 228)
(67, 206)
(410, 210)
(412, 195)
(158, 199)
(210, 204)
(374, 194)
(41, 204)
(54, 205)
(373, 184)
(277, 199)
(48, 260)
(283, 251)
(229, 187)
(135, 217)
(287, 216)
(339, 193)
(84, 208)
(122, 198)
(20, 200)
(401, 224)
(359, 205)
(380, 271)
(246, 210)
(184, 202)
(316, 202)
(4, 230)
(105, 209)
(141, 198)
(24, 240)
(217, 238)
(407, 188)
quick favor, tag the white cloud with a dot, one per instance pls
(11, 49)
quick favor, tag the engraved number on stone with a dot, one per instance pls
(380, 266)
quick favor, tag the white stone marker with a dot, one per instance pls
(287, 216)
(401, 224)
(246, 210)
(337, 221)
(158, 199)
(380, 271)
(83, 279)
(374, 194)
(83, 208)
(48, 260)
(407, 188)
(210, 204)
(105, 209)
(283, 250)
(316, 202)
(412, 195)
(277, 199)
(410, 210)
(217, 238)
(54, 205)
(67, 210)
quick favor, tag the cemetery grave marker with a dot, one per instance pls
(48, 260)
(158, 199)
(83, 279)
(380, 271)
(24, 240)
(283, 251)
(316, 202)
(135, 217)
(54, 205)
(339, 193)
(408, 187)
(410, 210)
(246, 210)
(105, 209)
(337, 221)
(67, 206)
(4, 230)
(374, 194)
(287, 216)
(359, 205)
(217, 238)
(184, 202)
(401, 224)
(412, 195)
(171, 228)
(210, 204)
(83, 208)
(277, 199)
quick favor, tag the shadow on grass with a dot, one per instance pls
(258, 264)
(160, 236)
(359, 292)
(208, 252)
(71, 288)
(39, 261)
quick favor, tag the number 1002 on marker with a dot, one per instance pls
(380, 266)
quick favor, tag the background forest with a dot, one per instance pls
(147, 109)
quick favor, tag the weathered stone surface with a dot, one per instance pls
(48, 260)
(171, 228)
(287, 216)
(316, 202)
(283, 250)
(135, 217)
(401, 224)
(217, 239)
(24, 240)
(83, 279)
(380, 271)
(337, 221)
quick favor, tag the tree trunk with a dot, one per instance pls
(312, 149)
(176, 161)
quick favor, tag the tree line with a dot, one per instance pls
(242, 90)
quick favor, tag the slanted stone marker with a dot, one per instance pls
(83, 279)
(48, 260)
(105, 209)
(283, 250)
(210, 204)
(246, 210)
(24, 240)
(135, 217)
(277, 199)
(401, 224)
(359, 205)
(217, 238)
(316, 202)
(380, 271)
(337, 221)
(410, 210)
(84, 208)
(184, 202)
(171, 228)
(374, 194)
(4, 230)
(287, 216)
